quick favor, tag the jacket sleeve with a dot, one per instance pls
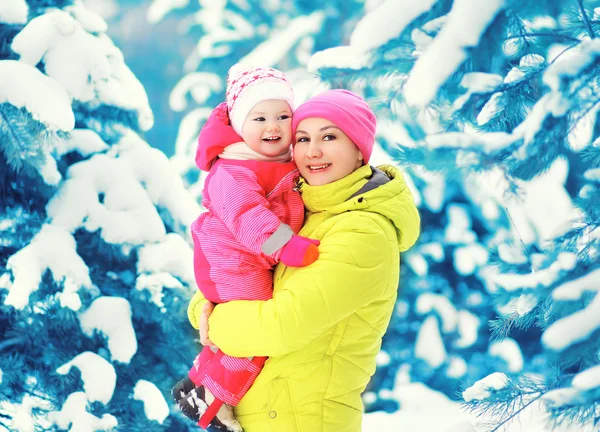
(194, 309)
(353, 270)
(240, 202)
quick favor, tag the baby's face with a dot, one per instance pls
(268, 127)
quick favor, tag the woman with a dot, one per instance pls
(323, 327)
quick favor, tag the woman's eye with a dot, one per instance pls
(328, 137)
(301, 139)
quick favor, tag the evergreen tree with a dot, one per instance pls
(95, 261)
(494, 104)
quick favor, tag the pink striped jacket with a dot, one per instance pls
(251, 207)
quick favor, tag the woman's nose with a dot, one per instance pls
(313, 151)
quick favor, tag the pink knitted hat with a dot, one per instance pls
(346, 110)
(247, 86)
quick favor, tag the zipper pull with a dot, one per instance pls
(297, 185)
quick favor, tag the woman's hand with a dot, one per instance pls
(203, 325)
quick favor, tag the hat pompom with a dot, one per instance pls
(237, 68)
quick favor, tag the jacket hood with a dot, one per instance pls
(379, 190)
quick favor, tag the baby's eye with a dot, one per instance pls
(328, 137)
(284, 117)
(261, 119)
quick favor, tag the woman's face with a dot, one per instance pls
(323, 153)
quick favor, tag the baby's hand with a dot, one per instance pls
(203, 324)
(300, 251)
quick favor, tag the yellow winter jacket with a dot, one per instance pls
(323, 327)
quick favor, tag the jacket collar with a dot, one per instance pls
(321, 198)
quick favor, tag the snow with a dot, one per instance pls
(489, 142)
(545, 277)
(96, 74)
(422, 409)
(574, 328)
(593, 173)
(89, 20)
(111, 316)
(221, 27)
(380, 25)
(468, 258)
(531, 60)
(201, 85)
(467, 20)
(482, 388)
(172, 255)
(24, 86)
(13, 12)
(509, 350)
(186, 142)
(546, 204)
(574, 289)
(429, 346)
(273, 50)
(155, 406)
(346, 57)
(105, 8)
(428, 302)
(556, 103)
(21, 415)
(422, 37)
(386, 22)
(125, 216)
(160, 8)
(151, 168)
(476, 82)
(98, 375)
(434, 250)
(75, 418)
(512, 254)
(572, 65)
(155, 283)
(84, 141)
(382, 358)
(52, 249)
(458, 230)
(48, 169)
(457, 367)
(468, 328)
(561, 397)
(417, 263)
(588, 379)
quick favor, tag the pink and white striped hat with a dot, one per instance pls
(247, 86)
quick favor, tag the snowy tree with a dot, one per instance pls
(492, 107)
(95, 260)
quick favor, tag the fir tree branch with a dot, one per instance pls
(511, 417)
(586, 19)
(10, 342)
(555, 35)
(8, 128)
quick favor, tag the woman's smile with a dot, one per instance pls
(319, 168)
